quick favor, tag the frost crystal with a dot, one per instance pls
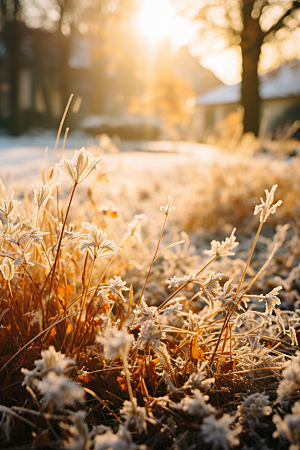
(7, 209)
(42, 193)
(115, 341)
(103, 295)
(267, 208)
(177, 282)
(119, 441)
(59, 390)
(271, 300)
(197, 379)
(291, 379)
(293, 335)
(97, 243)
(7, 268)
(254, 407)
(79, 167)
(33, 233)
(219, 434)
(289, 427)
(136, 414)
(227, 296)
(173, 309)
(211, 284)
(196, 405)
(69, 235)
(79, 436)
(169, 208)
(144, 312)
(223, 249)
(149, 335)
(116, 286)
(134, 229)
(51, 361)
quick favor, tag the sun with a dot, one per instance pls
(156, 19)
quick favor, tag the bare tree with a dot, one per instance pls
(11, 33)
(62, 18)
(248, 24)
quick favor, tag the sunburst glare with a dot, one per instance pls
(157, 20)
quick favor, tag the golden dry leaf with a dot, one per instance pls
(194, 350)
(86, 378)
(65, 292)
(152, 374)
(52, 333)
(41, 439)
(201, 354)
(122, 383)
(228, 367)
(69, 329)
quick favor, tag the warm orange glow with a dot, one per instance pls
(226, 65)
(157, 20)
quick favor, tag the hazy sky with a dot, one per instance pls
(158, 19)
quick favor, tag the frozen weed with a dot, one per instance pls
(145, 347)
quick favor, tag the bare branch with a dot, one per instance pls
(280, 23)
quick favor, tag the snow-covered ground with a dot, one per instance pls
(22, 158)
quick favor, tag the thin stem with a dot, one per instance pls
(151, 265)
(83, 302)
(96, 289)
(67, 265)
(228, 315)
(37, 216)
(185, 284)
(81, 341)
(225, 340)
(249, 259)
(89, 282)
(36, 337)
(60, 127)
(64, 142)
(34, 249)
(45, 177)
(52, 271)
(11, 314)
(40, 408)
(127, 375)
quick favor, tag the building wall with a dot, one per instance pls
(207, 118)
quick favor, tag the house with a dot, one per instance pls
(95, 70)
(187, 67)
(279, 91)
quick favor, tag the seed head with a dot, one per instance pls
(7, 268)
(79, 167)
(223, 249)
(97, 243)
(115, 341)
(266, 208)
(169, 208)
(59, 390)
(42, 193)
(7, 208)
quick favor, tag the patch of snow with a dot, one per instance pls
(97, 121)
(279, 83)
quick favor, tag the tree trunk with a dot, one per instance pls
(251, 42)
(65, 42)
(12, 40)
(65, 79)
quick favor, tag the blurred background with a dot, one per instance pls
(196, 70)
